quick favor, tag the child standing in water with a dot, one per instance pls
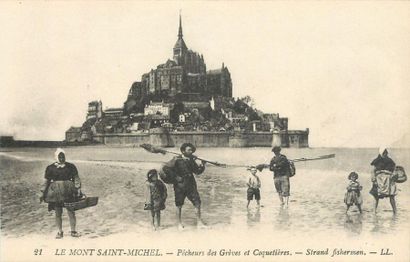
(353, 196)
(156, 194)
(253, 184)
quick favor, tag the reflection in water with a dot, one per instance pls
(283, 219)
(353, 223)
(384, 223)
(217, 198)
(212, 191)
(253, 217)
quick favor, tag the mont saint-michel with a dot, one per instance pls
(181, 101)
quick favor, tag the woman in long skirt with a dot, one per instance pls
(383, 181)
(61, 185)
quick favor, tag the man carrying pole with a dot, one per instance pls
(182, 168)
(281, 172)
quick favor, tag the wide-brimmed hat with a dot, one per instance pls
(353, 175)
(185, 145)
(276, 149)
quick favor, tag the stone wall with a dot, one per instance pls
(123, 139)
(298, 138)
(201, 139)
(206, 139)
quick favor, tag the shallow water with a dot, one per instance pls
(316, 203)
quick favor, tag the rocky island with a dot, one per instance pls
(181, 101)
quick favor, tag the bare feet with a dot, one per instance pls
(59, 235)
(75, 234)
(180, 227)
(201, 225)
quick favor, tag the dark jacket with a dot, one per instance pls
(186, 167)
(158, 190)
(280, 166)
(383, 163)
(61, 184)
(68, 172)
(183, 170)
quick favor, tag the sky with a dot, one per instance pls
(341, 69)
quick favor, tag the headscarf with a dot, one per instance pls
(381, 150)
(56, 153)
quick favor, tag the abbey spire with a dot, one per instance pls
(180, 47)
(180, 35)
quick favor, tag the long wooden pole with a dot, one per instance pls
(153, 149)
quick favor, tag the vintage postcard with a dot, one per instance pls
(205, 131)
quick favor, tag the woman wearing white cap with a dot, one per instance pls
(62, 184)
(383, 183)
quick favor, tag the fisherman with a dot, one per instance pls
(281, 172)
(185, 167)
(384, 184)
(61, 185)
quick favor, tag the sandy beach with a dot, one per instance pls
(315, 218)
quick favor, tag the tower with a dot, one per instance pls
(180, 47)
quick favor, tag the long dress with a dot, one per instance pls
(158, 195)
(61, 184)
(353, 196)
(384, 184)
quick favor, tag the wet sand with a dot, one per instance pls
(316, 207)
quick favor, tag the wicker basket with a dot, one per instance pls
(400, 174)
(82, 203)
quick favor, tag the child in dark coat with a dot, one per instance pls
(156, 194)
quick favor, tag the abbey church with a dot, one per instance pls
(184, 78)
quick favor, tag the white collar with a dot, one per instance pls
(59, 165)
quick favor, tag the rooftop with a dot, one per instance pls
(113, 109)
(74, 129)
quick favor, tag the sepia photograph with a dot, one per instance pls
(205, 130)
